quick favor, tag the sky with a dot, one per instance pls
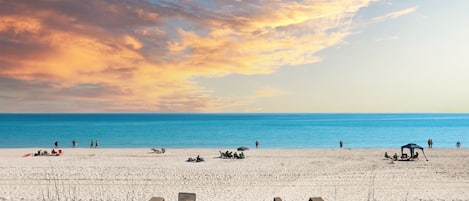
(238, 56)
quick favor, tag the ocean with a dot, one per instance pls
(220, 130)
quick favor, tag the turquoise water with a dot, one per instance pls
(233, 130)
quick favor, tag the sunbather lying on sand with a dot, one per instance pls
(197, 159)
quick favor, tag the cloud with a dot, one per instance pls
(387, 38)
(393, 15)
(141, 56)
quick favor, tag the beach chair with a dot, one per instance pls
(277, 199)
(316, 199)
(222, 155)
(241, 156)
(186, 197)
(156, 199)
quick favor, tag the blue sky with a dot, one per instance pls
(412, 63)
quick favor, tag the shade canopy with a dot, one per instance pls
(411, 147)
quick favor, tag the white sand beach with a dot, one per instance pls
(292, 174)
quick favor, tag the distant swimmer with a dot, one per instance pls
(257, 144)
(341, 144)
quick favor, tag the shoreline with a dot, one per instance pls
(292, 174)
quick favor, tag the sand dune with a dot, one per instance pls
(292, 174)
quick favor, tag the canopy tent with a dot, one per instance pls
(411, 147)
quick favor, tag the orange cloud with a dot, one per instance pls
(139, 56)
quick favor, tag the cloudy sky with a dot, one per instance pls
(234, 56)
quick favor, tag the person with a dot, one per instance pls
(96, 144)
(74, 143)
(53, 152)
(257, 144)
(386, 155)
(341, 144)
(458, 144)
(56, 143)
(91, 144)
(404, 156)
(236, 156)
(395, 156)
(199, 159)
(430, 143)
(241, 155)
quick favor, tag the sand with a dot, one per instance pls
(292, 174)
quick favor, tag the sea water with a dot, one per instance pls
(233, 130)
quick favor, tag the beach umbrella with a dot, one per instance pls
(243, 148)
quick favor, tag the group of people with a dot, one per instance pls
(46, 153)
(230, 154)
(404, 156)
(196, 159)
(430, 143)
(93, 144)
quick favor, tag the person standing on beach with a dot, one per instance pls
(341, 144)
(458, 144)
(74, 143)
(91, 144)
(430, 143)
(96, 144)
(257, 144)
